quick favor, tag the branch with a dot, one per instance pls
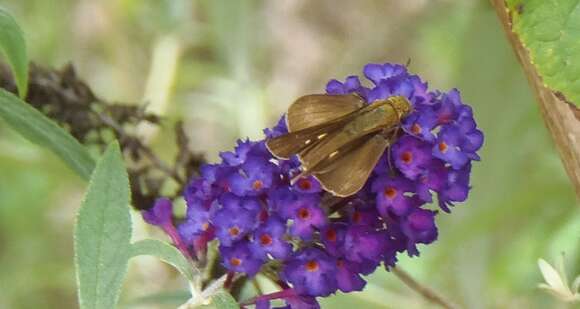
(158, 163)
(427, 293)
(68, 100)
(561, 117)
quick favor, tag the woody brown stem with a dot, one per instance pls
(560, 116)
(427, 293)
(158, 163)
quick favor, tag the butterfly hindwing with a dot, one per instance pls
(348, 173)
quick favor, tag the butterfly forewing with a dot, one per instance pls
(287, 145)
(313, 118)
(349, 172)
(312, 110)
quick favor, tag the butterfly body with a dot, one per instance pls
(339, 139)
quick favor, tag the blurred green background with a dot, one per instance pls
(230, 68)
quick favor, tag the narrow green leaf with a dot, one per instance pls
(40, 130)
(550, 31)
(102, 233)
(13, 47)
(166, 253)
(222, 300)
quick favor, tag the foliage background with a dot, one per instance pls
(230, 68)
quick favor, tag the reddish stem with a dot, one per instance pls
(287, 293)
(229, 280)
(170, 230)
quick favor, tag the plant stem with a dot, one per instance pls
(427, 293)
(144, 149)
(229, 280)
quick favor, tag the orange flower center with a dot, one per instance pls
(265, 240)
(442, 147)
(304, 184)
(303, 213)
(312, 266)
(407, 157)
(390, 192)
(234, 231)
(331, 235)
(235, 261)
(205, 226)
(415, 129)
(445, 118)
(356, 217)
(257, 185)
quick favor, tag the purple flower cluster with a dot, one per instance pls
(325, 244)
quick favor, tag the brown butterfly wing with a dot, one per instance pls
(313, 118)
(284, 146)
(330, 146)
(349, 172)
(327, 163)
(361, 124)
(316, 109)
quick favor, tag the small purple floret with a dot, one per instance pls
(312, 272)
(348, 280)
(269, 240)
(160, 214)
(239, 258)
(411, 156)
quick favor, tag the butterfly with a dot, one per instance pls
(339, 139)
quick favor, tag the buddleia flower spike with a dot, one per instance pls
(312, 242)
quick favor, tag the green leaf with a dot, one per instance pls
(39, 129)
(13, 47)
(222, 300)
(174, 298)
(102, 233)
(166, 253)
(550, 30)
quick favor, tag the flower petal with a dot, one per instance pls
(551, 276)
